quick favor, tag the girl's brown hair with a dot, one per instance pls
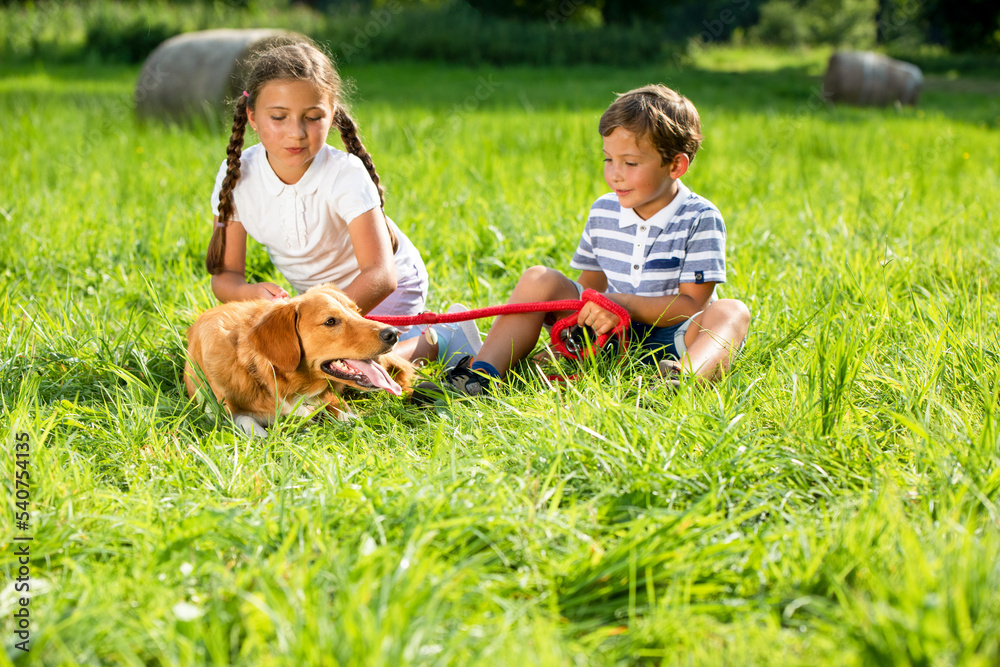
(288, 60)
(654, 112)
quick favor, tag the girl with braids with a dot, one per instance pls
(316, 209)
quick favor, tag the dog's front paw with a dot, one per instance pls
(250, 426)
(347, 416)
(337, 407)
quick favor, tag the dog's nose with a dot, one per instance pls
(389, 335)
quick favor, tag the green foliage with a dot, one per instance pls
(542, 10)
(515, 33)
(846, 23)
(113, 32)
(939, 61)
(457, 34)
(125, 39)
(610, 11)
(972, 25)
(903, 23)
(712, 21)
(116, 32)
(783, 23)
(834, 501)
(843, 22)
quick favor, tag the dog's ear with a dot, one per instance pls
(274, 337)
(399, 369)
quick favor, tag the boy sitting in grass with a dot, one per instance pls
(652, 246)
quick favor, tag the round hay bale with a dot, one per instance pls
(864, 78)
(195, 74)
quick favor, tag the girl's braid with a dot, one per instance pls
(217, 246)
(352, 142)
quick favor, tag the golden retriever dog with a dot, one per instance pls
(263, 359)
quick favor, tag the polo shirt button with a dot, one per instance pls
(642, 229)
(635, 266)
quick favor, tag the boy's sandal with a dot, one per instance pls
(670, 372)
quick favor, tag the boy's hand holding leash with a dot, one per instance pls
(599, 319)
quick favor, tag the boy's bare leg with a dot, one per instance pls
(713, 339)
(512, 337)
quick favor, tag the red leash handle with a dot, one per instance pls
(506, 309)
(558, 340)
(621, 329)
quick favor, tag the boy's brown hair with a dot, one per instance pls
(658, 114)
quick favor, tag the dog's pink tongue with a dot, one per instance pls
(376, 375)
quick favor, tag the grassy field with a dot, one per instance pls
(834, 501)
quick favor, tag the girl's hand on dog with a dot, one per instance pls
(269, 291)
(600, 320)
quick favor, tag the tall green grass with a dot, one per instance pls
(833, 501)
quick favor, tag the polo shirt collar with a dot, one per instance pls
(659, 219)
(306, 185)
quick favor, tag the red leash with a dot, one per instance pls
(575, 348)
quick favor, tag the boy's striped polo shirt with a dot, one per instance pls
(685, 242)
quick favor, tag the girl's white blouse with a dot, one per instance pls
(304, 225)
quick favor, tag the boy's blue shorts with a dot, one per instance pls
(651, 344)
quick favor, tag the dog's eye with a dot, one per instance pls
(332, 322)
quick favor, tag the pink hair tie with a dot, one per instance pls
(246, 94)
(220, 224)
